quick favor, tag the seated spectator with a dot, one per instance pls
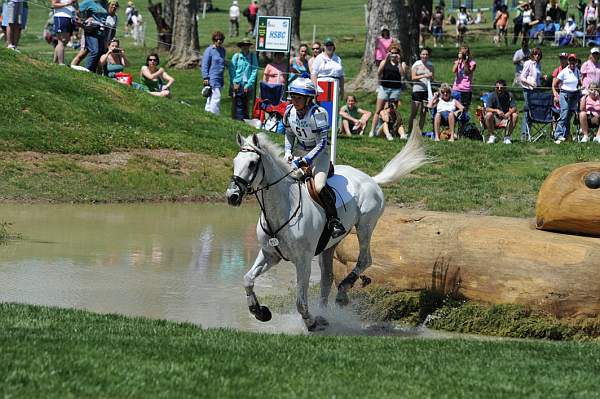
(566, 35)
(275, 72)
(114, 60)
(589, 114)
(391, 122)
(479, 18)
(501, 111)
(549, 30)
(153, 78)
(354, 119)
(446, 110)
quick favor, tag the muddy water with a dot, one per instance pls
(182, 262)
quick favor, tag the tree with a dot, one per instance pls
(402, 19)
(285, 8)
(163, 18)
(185, 49)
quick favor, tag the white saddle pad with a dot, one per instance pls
(343, 188)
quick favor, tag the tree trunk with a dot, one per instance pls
(402, 19)
(185, 51)
(484, 258)
(161, 15)
(285, 8)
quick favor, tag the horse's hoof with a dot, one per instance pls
(365, 280)
(319, 324)
(262, 314)
(342, 299)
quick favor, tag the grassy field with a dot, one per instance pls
(66, 353)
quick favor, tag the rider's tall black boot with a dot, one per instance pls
(328, 197)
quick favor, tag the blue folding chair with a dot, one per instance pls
(539, 116)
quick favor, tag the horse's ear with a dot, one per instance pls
(240, 140)
(255, 140)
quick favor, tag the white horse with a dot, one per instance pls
(290, 223)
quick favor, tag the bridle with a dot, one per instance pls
(245, 187)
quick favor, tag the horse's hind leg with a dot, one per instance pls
(364, 231)
(326, 265)
(263, 262)
(302, 281)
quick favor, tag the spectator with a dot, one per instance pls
(114, 60)
(138, 28)
(530, 78)
(539, 9)
(564, 9)
(422, 74)
(501, 23)
(15, 15)
(589, 114)
(252, 11)
(566, 87)
(565, 36)
(242, 75)
(234, 19)
(463, 69)
(382, 45)
(501, 111)
(128, 14)
(390, 75)
(391, 122)
(527, 18)
(213, 70)
(446, 108)
(316, 50)
(461, 25)
(111, 21)
(590, 13)
(554, 11)
(424, 22)
(94, 16)
(496, 5)
(299, 64)
(64, 14)
(479, 18)
(436, 26)
(153, 78)
(328, 65)
(519, 58)
(590, 70)
(275, 71)
(563, 64)
(549, 30)
(354, 119)
(517, 26)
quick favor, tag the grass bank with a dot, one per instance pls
(64, 353)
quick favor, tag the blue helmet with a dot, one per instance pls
(303, 86)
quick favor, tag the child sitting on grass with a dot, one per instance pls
(391, 122)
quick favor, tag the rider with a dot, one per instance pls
(306, 123)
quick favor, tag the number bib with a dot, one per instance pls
(309, 128)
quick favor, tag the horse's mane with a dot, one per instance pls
(269, 150)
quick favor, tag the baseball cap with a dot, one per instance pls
(328, 41)
(595, 50)
(563, 55)
(572, 56)
(384, 27)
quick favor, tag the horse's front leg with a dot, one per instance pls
(302, 281)
(263, 262)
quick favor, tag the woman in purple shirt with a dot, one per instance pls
(213, 68)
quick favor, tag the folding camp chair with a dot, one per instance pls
(481, 111)
(269, 107)
(539, 116)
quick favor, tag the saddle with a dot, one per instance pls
(310, 182)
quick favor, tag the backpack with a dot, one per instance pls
(470, 131)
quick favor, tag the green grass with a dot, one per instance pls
(66, 353)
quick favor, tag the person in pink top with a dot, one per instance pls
(589, 114)
(382, 45)
(464, 68)
(276, 71)
(590, 70)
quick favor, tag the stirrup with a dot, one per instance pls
(337, 228)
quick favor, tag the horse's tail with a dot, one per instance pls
(410, 158)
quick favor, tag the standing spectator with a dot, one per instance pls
(153, 78)
(354, 119)
(299, 64)
(424, 22)
(390, 74)
(501, 23)
(519, 58)
(422, 74)
(564, 9)
(128, 14)
(328, 65)
(463, 69)
(111, 21)
(590, 70)
(436, 26)
(461, 25)
(316, 49)
(501, 111)
(496, 5)
(589, 113)
(234, 19)
(566, 86)
(530, 78)
(213, 70)
(479, 18)
(14, 22)
(563, 64)
(114, 60)
(554, 11)
(64, 14)
(539, 9)
(517, 25)
(242, 75)
(252, 11)
(93, 16)
(590, 14)
(527, 19)
(275, 71)
(138, 28)
(382, 45)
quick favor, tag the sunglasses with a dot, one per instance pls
(316, 49)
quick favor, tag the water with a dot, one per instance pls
(182, 262)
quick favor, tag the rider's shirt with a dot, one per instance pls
(310, 131)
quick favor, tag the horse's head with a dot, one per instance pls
(248, 171)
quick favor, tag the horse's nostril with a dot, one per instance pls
(592, 180)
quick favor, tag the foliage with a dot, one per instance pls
(6, 234)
